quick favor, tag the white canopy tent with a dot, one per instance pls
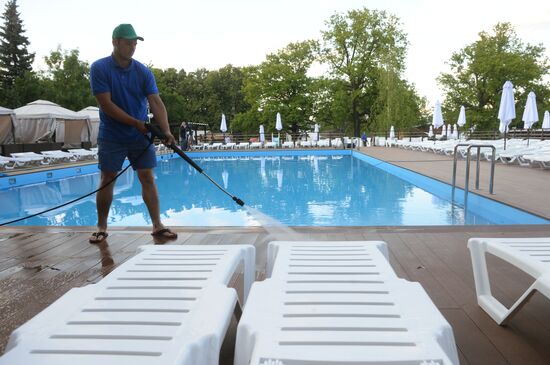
(7, 126)
(92, 113)
(41, 119)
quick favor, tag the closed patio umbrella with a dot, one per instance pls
(392, 132)
(461, 120)
(278, 125)
(437, 120)
(316, 131)
(546, 120)
(507, 108)
(262, 133)
(223, 126)
(530, 113)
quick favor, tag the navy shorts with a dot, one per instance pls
(111, 155)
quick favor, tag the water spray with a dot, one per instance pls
(156, 132)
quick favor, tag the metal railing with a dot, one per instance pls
(468, 155)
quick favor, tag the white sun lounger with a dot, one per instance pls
(331, 303)
(531, 255)
(32, 156)
(83, 153)
(256, 145)
(166, 305)
(288, 144)
(243, 145)
(59, 156)
(229, 146)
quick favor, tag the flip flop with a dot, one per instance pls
(165, 233)
(98, 237)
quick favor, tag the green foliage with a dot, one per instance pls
(364, 90)
(15, 60)
(355, 46)
(479, 71)
(67, 80)
(397, 104)
(280, 84)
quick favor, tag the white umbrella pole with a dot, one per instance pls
(505, 130)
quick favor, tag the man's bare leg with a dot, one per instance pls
(104, 198)
(151, 199)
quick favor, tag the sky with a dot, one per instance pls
(210, 34)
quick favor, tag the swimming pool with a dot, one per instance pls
(298, 188)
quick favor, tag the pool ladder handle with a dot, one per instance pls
(466, 183)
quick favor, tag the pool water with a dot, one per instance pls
(304, 190)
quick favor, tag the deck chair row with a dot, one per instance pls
(323, 303)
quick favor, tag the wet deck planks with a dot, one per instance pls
(37, 267)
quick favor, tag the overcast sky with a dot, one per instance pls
(213, 33)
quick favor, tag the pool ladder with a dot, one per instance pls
(466, 183)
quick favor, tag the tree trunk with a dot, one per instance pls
(355, 116)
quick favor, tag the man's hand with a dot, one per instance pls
(140, 126)
(170, 140)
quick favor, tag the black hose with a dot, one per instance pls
(156, 132)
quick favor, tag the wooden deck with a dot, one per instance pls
(39, 264)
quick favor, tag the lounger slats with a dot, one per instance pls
(154, 309)
(343, 304)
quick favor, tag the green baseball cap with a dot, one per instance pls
(125, 31)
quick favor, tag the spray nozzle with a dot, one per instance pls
(238, 201)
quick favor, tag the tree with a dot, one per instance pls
(15, 60)
(224, 95)
(171, 83)
(397, 103)
(280, 84)
(355, 46)
(67, 80)
(479, 71)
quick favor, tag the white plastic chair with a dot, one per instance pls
(166, 305)
(339, 303)
(531, 255)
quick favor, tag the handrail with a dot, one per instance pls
(492, 177)
(467, 181)
(454, 163)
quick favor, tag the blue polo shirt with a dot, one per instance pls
(129, 88)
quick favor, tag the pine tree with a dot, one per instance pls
(15, 60)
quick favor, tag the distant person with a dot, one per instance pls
(123, 87)
(184, 136)
(364, 138)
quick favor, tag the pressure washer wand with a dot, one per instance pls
(156, 132)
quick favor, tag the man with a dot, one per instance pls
(123, 87)
(184, 136)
